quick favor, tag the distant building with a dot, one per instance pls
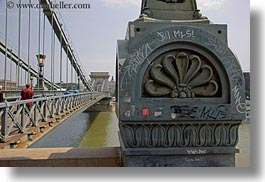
(10, 85)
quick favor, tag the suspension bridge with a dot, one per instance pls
(50, 79)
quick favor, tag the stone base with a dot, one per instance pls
(179, 157)
(221, 160)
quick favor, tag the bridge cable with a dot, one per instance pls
(10, 74)
(61, 58)
(39, 48)
(51, 49)
(72, 70)
(19, 46)
(28, 80)
(43, 51)
(67, 64)
(6, 37)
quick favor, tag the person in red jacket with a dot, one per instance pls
(2, 95)
(27, 94)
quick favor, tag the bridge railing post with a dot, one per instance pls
(78, 99)
(69, 102)
(72, 102)
(23, 124)
(51, 105)
(61, 105)
(45, 109)
(66, 103)
(4, 128)
(58, 107)
(36, 120)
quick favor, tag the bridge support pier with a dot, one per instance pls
(180, 89)
(102, 106)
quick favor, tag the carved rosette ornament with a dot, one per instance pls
(181, 76)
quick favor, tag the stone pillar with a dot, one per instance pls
(181, 89)
(100, 81)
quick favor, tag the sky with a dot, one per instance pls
(94, 32)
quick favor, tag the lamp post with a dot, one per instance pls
(31, 80)
(61, 85)
(78, 78)
(41, 59)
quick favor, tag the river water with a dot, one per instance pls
(100, 129)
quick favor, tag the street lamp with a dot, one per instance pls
(61, 84)
(41, 59)
(31, 80)
(78, 78)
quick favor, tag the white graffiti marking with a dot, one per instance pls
(240, 106)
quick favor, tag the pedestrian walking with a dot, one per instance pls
(27, 94)
(2, 95)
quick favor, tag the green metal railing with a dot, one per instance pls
(16, 117)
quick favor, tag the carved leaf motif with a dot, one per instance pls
(189, 136)
(169, 67)
(172, 136)
(227, 133)
(204, 77)
(158, 136)
(182, 62)
(234, 135)
(207, 90)
(194, 68)
(142, 136)
(202, 136)
(181, 76)
(128, 135)
(209, 136)
(218, 135)
(224, 135)
(156, 91)
(160, 77)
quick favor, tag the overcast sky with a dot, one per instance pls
(94, 32)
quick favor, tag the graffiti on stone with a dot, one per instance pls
(204, 112)
(140, 54)
(184, 111)
(163, 36)
(135, 60)
(240, 105)
(234, 72)
(219, 112)
(217, 46)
